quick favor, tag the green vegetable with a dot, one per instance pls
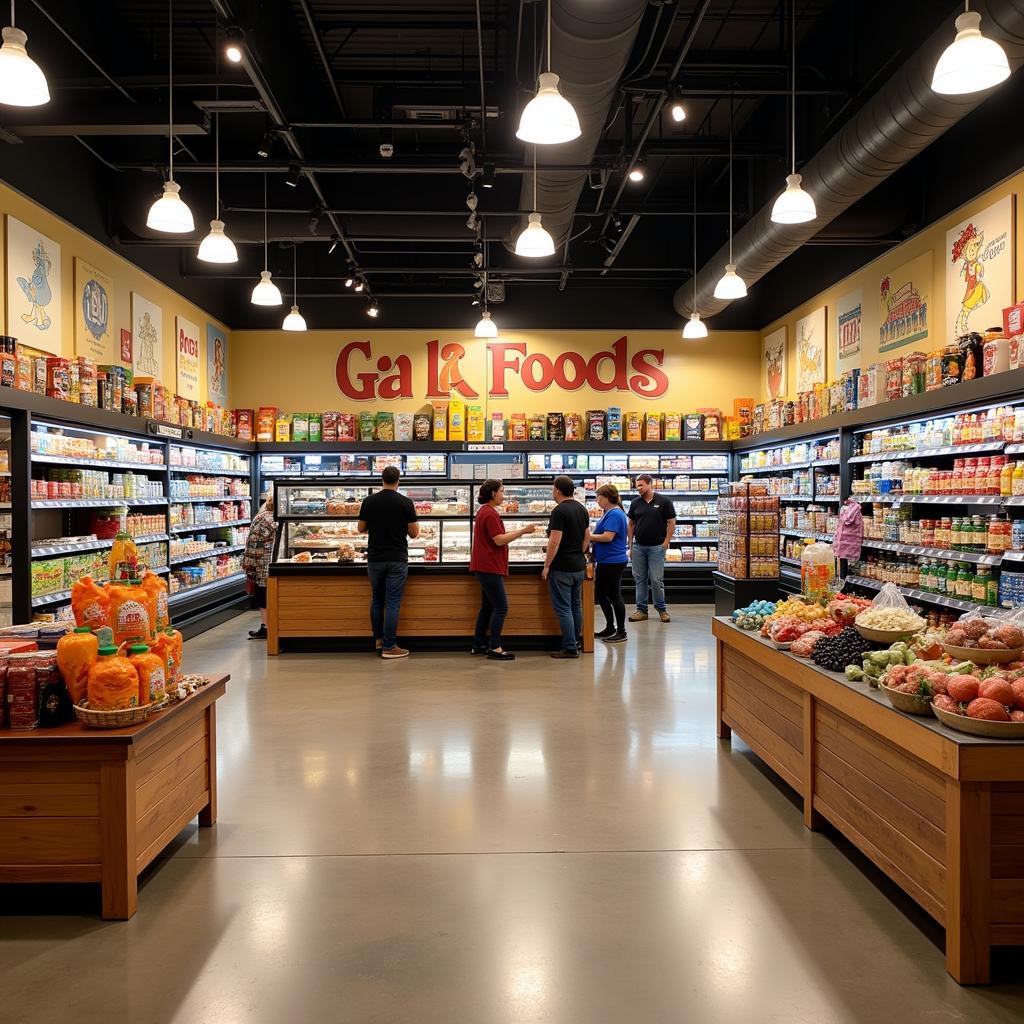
(880, 658)
(854, 673)
(897, 657)
(911, 657)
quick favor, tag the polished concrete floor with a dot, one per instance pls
(463, 842)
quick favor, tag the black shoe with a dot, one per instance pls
(616, 638)
(565, 654)
(501, 655)
(606, 632)
(258, 634)
(478, 649)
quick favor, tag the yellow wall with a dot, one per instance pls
(298, 372)
(126, 279)
(931, 239)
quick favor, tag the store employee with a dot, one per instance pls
(652, 522)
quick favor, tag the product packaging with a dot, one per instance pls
(300, 426)
(283, 427)
(538, 426)
(743, 410)
(971, 355)
(23, 373)
(497, 427)
(573, 426)
(384, 427)
(614, 423)
(517, 427)
(423, 424)
(596, 425)
(440, 414)
(634, 426)
(456, 419)
(39, 374)
(652, 426)
(556, 426)
(316, 427)
(367, 425)
(673, 426)
(712, 428)
(475, 426)
(996, 353)
(329, 429)
(265, 422)
(871, 385)
(952, 364)
(693, 427)
(347, 426)
(1013, 328)
(403, 426)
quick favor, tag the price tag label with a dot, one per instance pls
(166, 430)
(473, 447)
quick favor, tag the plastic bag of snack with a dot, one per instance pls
(347, 426)
(329, 429)
(517, 427)
(403, 426)
(538, 427)
(422, 424)
(889, 611)
(384, 427)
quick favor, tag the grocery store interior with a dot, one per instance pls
(747, 269)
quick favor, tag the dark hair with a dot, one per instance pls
(611, 492)
(565, 486)
(488, 489)
(390, 475)
(646, 477)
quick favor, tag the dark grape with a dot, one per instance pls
(834, 653)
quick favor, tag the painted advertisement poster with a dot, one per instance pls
(94, 292)
(33, 287)
(774, 364)
(216, 365)
(810, 350)
(188, 357)
(979, 269)
(849, 326)
(903, 296)
(147, 338)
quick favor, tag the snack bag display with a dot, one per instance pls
(347, 426)
(128, 613)
(573, 426)
(497, 426)
(693, 427)
(77, 652)
(634, 428)
(743, 410)
(265, 422)
(440, 420)
(673, 426)
(329, 430)
(556, 426)
(152, 674)
(113, 682)
(712, 424)
(384, 427)
(367, 425)
(316, 426)
(596, 425)
(156, 587)
(283, 427)
(423, 424)
(614, 423)
(89, 602)
(456, 419)
(538, 427)
(517, 427)
(652, 426)
(300, 426)
(403, 426)
(475, 427)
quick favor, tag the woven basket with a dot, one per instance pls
(119, 719)
(911, 703)
(982, 657)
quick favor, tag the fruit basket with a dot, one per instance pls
(981, 727)
(981, 656)
(911, 703)
(885, 636)
(119, 719)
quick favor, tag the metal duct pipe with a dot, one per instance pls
(903, 117)
(591, 41)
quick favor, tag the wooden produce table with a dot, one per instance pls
(939, 811)
(333, 601)
(98, 805)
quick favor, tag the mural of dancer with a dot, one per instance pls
(37, 289)
(146, 339)
(967, 251)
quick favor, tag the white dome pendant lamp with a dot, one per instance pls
(533, 240)
(169, 213)
(549, 118)
(266, 293)
(486, 328)
(971, 63)
(695, 328)
(22, 82)
(794, 205)
(294, 321)
(216, 247)
(730, 285)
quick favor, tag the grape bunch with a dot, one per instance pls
(836, 652)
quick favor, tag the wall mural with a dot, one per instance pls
(147, 338)
(810, 350)
(94, 335)
(216, 365)
(773, 349)
(849, 325)
(33, 287)
(903, 304)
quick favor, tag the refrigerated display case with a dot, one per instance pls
(6, 533)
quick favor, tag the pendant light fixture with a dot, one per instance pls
(548, 119)
(730, 285)
(22, 82)
(294, 321)
(794, 205)
(216, 247)
(486, 328)
(971, 63)
(266, 293)
(169, 213)
(695, 327)
(533, 240)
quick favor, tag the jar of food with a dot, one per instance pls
(952, 367)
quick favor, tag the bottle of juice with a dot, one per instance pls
(152, 674)
(124, 555)
(77, 652)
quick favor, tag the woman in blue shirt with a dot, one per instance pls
(611, 556)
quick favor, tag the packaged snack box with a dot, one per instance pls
(329, 431)
(384, 427)
(367, 426)
(245, 420)
(573, 426)
(614, 428)
(712, 424)
(283, 427)
(634, 427)
(475, 428)
(732, 429)
(316, 427)
(596, 425)
(497, 426)
(743, 410)
(39, 374)
(673, 430)
(538, 426)
(403, 426)
(423, 424)
(347, 426)
(300, 427)
(456, 419)
(22, 373)
(517, 426)
(555, 426)
(652, 426)
(440, 413)
(265, 420)
(693, 427)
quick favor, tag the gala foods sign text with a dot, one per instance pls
(441, 369)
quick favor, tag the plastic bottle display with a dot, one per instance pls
(817, 570)
(77, 652)
(124, 555)
(113, 682)
(152, 674)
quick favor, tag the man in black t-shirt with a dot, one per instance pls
(652, 522)
(389, 518)
(564, 564)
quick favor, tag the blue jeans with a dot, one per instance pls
(493, 609)
(649, 574)
(387, 584)
(566, 589)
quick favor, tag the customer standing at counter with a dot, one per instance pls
(489, 561)
(609, 540)
(259, 549)
(565, 564)
(389, 518)
(652, 521)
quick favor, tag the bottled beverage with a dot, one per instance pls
(992, 590)
(964, 580)
(123, 562)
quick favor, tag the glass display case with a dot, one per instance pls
(319, 521)
(352, 464)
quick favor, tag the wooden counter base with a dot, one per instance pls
(98, 805)
(441, 605)
(941, 815)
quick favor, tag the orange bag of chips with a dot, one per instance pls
(89, 603)
(128, 614)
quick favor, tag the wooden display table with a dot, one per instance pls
(333, 601)
(98, 805)
(939, 811)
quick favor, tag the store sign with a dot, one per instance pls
(448, 369)
(189, 358)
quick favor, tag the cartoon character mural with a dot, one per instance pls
(967, 250)
(37, 289)
(146, 339)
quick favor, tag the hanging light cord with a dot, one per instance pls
(295, 274)
(730, 173)
(265, 266)
(216, 167)
(695, 236)
(170, 86)
(548, 33)
(535, 210)
(792, 56)
(12, 13)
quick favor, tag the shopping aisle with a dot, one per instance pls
(450, 840)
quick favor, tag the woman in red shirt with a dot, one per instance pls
(489, 560)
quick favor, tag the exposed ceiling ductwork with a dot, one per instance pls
(591, 41)
(901, 120)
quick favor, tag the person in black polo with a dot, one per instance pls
(565, 564)
(652, 521)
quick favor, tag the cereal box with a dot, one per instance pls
(614, 423)
(517, 426)
(244, 422)
(329, 430)
(347, 426)
(440, 413)
(456, 419)
(497, 426)
(573, 426)
(634, 426)
(673, 426)
(475, 429)
(266, 422)
(283, 427)
(423, 423)
(596, 425)
(300, 427)
(538, 426)
(652, 426)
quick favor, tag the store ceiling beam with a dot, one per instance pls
(44, 122)
(346, 212)
(318, 45)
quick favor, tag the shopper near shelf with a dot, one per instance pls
(609, 541)
(489, 561)
(389, 518)
(259, 548)
(565, 564)
(652, 522)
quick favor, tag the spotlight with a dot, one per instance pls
(233, 45)
(349, 279)
(637, 173)
(335, 240)
(294, 174)
(266, 146)
(676, 108)
(373, 310)
(488, 176)
(359, 284)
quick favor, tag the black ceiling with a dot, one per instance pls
(346, 77)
